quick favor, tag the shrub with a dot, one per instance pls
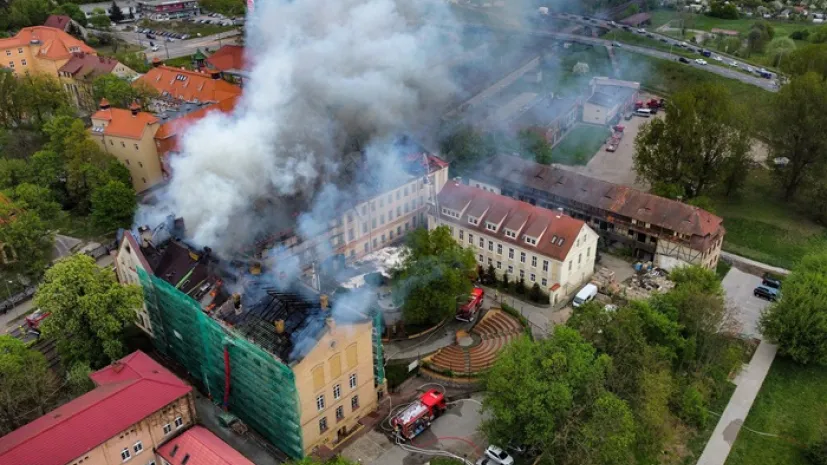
(800, 35)
(692, 408)
(520, 288)
(817, 453)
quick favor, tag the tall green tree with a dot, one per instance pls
(28, 389)
(809, 58)
(797, 133)
(466, 148)
(537, 146)
(89, 309)
(115, 13)
(779, 49)
(435, 273)
(550, 395)
(119, 92)
(694, 145)
(26, 234)
(113, 205)
(37, 199)
(798, 321)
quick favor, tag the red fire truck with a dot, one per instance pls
(418, 416)
(468, 311)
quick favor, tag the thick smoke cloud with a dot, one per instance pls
(325, 78)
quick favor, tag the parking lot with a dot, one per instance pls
(738, 287)
(455, 432)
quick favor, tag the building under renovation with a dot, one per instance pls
(299, 369)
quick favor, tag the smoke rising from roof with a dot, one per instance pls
(325, 78)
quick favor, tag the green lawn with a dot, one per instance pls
(123, 47)
(579, 145)
(180, 62)
(763, 227)
(791, 404)
(80, 227)
(707, 23)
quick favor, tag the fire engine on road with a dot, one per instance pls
(417, 416)
(468, 310)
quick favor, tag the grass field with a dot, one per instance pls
(791, 404)
(707, 23)
(697, 441)
(763, 227)
(180, 62)
(579, 145)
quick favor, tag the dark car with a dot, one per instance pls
(765, 292)
(683, 60)
(663, 39)
(771, 281)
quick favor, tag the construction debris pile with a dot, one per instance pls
(643, 285)
(604, 279)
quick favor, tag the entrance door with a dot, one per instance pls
(341, 433)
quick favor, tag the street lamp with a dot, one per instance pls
(8, 289)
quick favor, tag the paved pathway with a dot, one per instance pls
(731, 257)
(750, 380)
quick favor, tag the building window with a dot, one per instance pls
(491, 246)
(179, 422)
(373, 223)
(579, 258)
(406, 191)
(472, 220)
(480, 260)
(522, 274)
(353, 381)
(398, 194)
(399, 230)
(499, 265)
(383, 238)
(470, 238)
(138, 447)
(544, 282)
(8, 53)
(320, 402)
(322, 424)
(482, 242)
(570, 265)
(510, 233)
(337, 391)
(167, 429)
(340, 412)
(491, 226)
(490, 261)
(144, 180)
(11, 64)
(366, 247)
(354, 402)
(533, 261)
(350, 235)
(545, 265)
(511, 253)
(375, 243)
(123, 144)
(398, 209)
(23, 62)
(110, 142)
(381, 202)
(522, 257)
(364, 227)
(20, 50)
(136, 148)
(125, 455)
(461, 235)
(499, 249)
(510, 269)
(588, 251)
(382, 219)
(532, 277)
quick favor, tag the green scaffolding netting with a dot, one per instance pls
(263, 390)
(378, 357)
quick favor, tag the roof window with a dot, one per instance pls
(490, 226)
(472, 220)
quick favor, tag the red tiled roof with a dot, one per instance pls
(54, 43)
(605, 196)
(128, 391)
(83, 65)
(228, 57)
(202, 447)
(175, 127)
(188, 86)
(57, 22)
(547, 226)
(122, 123)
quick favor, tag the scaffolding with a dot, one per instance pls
(378, 354)
(262, 389)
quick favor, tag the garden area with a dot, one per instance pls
(579, 145)
(789, 414)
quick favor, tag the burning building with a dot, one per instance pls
(299, 368)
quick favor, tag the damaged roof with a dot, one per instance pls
(608, 197)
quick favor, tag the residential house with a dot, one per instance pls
(551, 117)
(609, 100)
(667, 232)
(198, 446)
(135, 407)
(176, 86)
(529, 243)
(229, 60)
(129, 135)
(78, 74)
(40, 49)
(129, 8)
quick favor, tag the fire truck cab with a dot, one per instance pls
(418, 416)
(468, 311)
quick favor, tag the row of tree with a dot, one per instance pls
(611, 386)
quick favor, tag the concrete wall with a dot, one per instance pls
(344, 351)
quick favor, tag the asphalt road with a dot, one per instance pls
(179, 48)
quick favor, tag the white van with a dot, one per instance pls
(644, 112)
(586, 294)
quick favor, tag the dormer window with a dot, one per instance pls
(510, 233)
(449, 212)
(490, 226)
(530, 240)
(473, 220)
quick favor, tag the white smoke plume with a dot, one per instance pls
(321, 76)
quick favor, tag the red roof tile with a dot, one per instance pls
(202, 447)
(172, 129)
(122, 123)
(128, 391)
(228, 57)
(57, 22)
(547, 226)
(54, 43)
(188, 86)
(83, 65)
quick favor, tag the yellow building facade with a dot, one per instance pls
(39, 49)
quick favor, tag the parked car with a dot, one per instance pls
(498, 456)
(663, 39)
(717, 58)
(683, 60)
(616, 44)
(733, 63)
(765, 292)
(584, 295)
(700, 61)
(155, 48)
(769, 280)
(706, 53)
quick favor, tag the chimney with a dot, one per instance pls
(237, 303)
(559, 212)
(104, 105)
(135, 108)
(117, 366)
(215, 75)
(331, 324)
(279, 326)
(323, 301)
(145, 235)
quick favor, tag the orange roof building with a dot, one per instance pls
(188, 86)
(538, 245)
(228, 59)
(40, 49)
(166, 139)
(129, 136)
